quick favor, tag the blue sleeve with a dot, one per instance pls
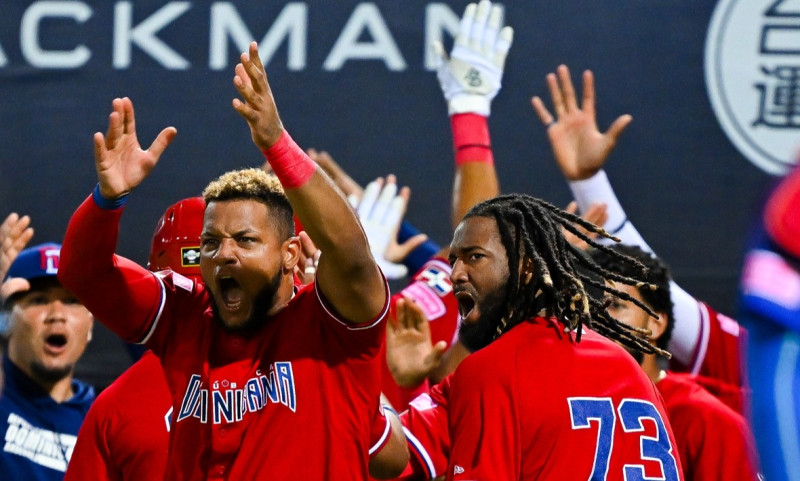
(422, 254)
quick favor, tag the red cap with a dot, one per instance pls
(176, 241)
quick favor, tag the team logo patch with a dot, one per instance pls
(437, 276)
(190, 256)
(752, 70)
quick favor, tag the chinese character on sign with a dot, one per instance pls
(780, 98)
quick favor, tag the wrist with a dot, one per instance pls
(291, 164)
(468, 103)
(107, 202)
(471, 140)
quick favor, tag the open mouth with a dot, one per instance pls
(55, 342)
(231, 292)
(466, 304)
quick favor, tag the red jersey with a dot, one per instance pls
(126, 433)
(427, 431)
(535, 404)
(432, 291)
(245, 406)
(714, 441)
(719, 350)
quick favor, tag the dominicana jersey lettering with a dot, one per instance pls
(245, 406)
(535, 404)
(714, 441)
(38, 434)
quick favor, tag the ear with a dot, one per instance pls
(91, 328)
(290, 250)
(657, 326)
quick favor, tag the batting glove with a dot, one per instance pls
(470, 78)
(381, 212)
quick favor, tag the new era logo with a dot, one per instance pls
(458, 469)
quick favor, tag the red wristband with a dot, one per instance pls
(291, 165)
(471, 140)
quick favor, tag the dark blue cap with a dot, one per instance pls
(36, 262)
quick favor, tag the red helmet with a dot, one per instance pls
(176, 242)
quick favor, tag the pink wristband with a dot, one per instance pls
(471, 139)
(291, 165)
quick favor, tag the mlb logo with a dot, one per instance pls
(190, 256)
(49, 258)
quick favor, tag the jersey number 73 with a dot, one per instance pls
(630, 412)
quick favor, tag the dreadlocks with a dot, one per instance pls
(531, 231)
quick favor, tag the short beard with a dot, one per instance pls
(261, 306)
(477, 335)
(50, 375)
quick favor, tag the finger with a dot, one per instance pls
(13, 286)
(99, 147)
(436, 353)
(240, 77)
(417, 319)
(479, 25)
(256, 74)
(369, 198)
(567, 89)
(309, 269)
(255, 56)
(502, 46)
(619, 126)
(401, 314)
(555, 95)
(395, 211)
(115, 128)
(401, 251)
(307, 245)
(588, 93)
(572, 207)
(492, 30)
(544, 115)
(128, 117)
(465, 26)
(162, 142)
(245, 111)
(385, 200)
(439, 54)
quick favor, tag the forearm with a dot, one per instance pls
(475, 176)
(347, 273)
(121, 294)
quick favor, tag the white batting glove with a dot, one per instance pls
(381, 212)
(470, 78)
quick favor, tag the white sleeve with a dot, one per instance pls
(597, 189)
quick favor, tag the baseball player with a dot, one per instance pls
(714, 441)
(705, 342)
(259, 371)
(42, 405)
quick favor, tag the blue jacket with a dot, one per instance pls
(38, 433)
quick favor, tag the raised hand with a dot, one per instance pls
(258, 107)
(119, 159)
(342, 179)
(306, 267)
(410, 355)
(471, 77)
(596, 214)
(579, 147)
(15, 233)
(381, 211)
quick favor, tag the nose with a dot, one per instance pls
(56, 311)
(225, 253)
(459, 273)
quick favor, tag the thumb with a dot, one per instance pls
(162, 141)
(13, 286)
(439, 53)
(403, 250)
(618, 126)
(437, 352)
